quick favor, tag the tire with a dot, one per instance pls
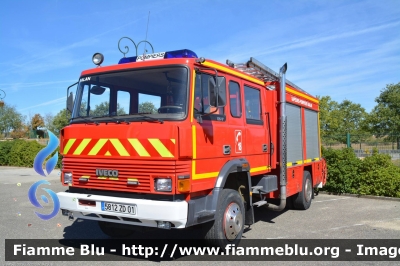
(228, 225)
(302, 200)
(112, 230)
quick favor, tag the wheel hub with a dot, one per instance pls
(308, 190)
(233, 221)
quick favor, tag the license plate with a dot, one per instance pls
(117, 207)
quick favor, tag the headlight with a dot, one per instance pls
(67, 178)
(163, 184)
(97, 59)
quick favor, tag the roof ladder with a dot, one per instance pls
(257, 69)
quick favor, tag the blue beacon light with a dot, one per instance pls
(184, 53)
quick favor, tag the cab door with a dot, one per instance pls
(209, 129)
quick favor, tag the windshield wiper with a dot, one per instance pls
(85, 118)
(149, 117)
(111, 117)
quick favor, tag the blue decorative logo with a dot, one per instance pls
(35, 202)
(50, 164)
(41, 156)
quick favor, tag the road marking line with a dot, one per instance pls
(331, 199)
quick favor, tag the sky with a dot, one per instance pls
(348, 50)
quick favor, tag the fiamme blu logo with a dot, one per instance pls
(50, 165)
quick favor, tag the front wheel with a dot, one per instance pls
(302, 200)
(229, 220)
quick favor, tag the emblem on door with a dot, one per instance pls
(238, 141)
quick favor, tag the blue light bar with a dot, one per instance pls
(184, 53)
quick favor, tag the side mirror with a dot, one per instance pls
(70, 102)
(70, 98)
(216, 91)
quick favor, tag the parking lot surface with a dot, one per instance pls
(329, 217)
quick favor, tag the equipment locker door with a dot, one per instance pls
(257, 139)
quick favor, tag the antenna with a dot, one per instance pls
(147, 29)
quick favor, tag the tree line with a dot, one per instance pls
(15, 125)
(336, 119)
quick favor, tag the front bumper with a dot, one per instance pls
(148, 212)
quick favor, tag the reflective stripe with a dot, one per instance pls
(161, 149)
(116, 147)
(193, 88)
(81, 146)
(205, 175)
(301, 95)
(100, 143)
(194, 151)
(119, 147)
(68, 146)
(258, 169)
(139, 147)
(234, 72)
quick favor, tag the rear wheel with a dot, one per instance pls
(229, 220)
(302, 200)
(112, 230)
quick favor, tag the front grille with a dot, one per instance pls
(85, 169)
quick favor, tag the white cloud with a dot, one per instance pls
(51, 102)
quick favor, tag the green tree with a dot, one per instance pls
(147, 107)
(48, 122)
(10, 119)
(353, 120)
(61, 120)
(328, 122)
(338, 119)
(37, 121)
(384, 119)
(103, 109)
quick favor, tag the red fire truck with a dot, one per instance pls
(172, 140)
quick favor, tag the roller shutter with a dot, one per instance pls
(294, 136)
(312, 139)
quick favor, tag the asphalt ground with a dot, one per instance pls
(329, 217)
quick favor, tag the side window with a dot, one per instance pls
(234, 99)
(252, 105)
(83, 107)
(123, 102)
(203, 85)
(99, 101)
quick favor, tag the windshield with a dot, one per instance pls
(146, 94)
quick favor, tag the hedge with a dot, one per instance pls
(373, 175)
(21, 153)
